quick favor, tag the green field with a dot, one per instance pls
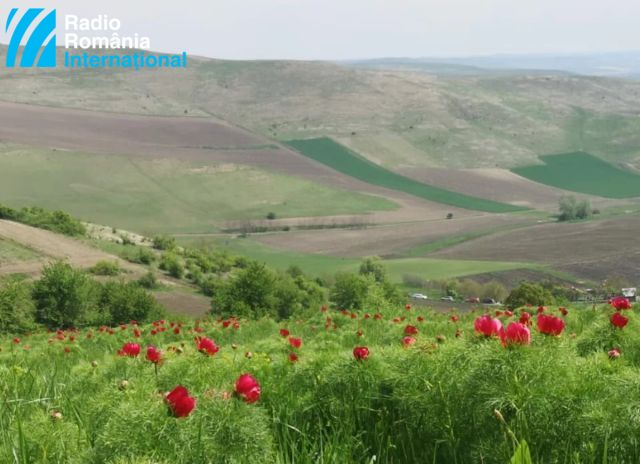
(322, 265)
(334, 155)
(584, 173)
(11, 252)
(172, 196)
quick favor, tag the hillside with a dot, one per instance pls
(399, 119)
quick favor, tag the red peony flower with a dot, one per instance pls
(284, 333)
(620, 302)
(550, 325)
(487, 326)
(248, 388)
(614, 353)
(179, 401)
(516, 334)
(454, 319)
(508, 313)
(154, 355)
(129, 349)
(293, 357)
(420, 319)
(408, 341)
(207, 346)
(525, 317)
(295, 342)
(410, 330)
(563, 311)
(541, 309)
(361, 352)
(618, 320)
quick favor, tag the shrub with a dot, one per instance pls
(172, 264)
(164, 242)
(62, 296)
(56, 221)
(124, 302)
(271, 215)
(144, 256)
(17, 311)
(148, 281)
(106, 268)
(529, 293)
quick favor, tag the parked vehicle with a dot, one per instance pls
(490, 302)
(447, 298)
(419, 296)
(472, 299)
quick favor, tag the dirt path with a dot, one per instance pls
(53, 247)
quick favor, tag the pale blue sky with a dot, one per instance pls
(341, 29)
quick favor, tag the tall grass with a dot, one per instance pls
(559, 400)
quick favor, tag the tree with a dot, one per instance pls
(172, 264)
(349, 291)
(62, 296)
(374, 267)
(529, 293)
(572, 209)
(248, 293)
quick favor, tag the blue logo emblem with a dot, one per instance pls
(39, 45)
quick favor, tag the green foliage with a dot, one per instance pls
(123, 302)
(336, 156)
(106, 268)
(164, 242)
(62, 296)
(374, 267)
(17, 311)
(56, 221)
(584, 173)
(148, 281)
(172, 263)
(529, 293)
(361, 291)
(572, 209)
(257, 291)
(143, 256)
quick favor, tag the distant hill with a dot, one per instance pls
(398, 118)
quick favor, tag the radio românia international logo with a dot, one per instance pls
(95, 42)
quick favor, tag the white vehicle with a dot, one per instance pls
(447, 298)
(419, 296)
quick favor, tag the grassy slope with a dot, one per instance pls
(11, 252)
(584, 173)
(322, 265)
(467, 121)
(332, 154)
(163, 196)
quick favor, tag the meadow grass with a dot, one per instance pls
(584, 173)
(11, 252)
(64, 399)
(338, 157)
(324, 265)
(153, 196)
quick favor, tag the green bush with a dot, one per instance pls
(56, 221)
(124, 302)
(106, 268)
(164, 242)
(63, 296)
(148, 281)
(529, 293)
(17, 311)
(172, 264)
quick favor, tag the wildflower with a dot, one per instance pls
(620, 302)
(516, 334)
(129, 349)
(410, 330)
(154, 355)
(550, 325)
(206, 346)
(361, 352)
(563, 311)
(454, 319)
(614, 353)
(525, 318)
(248, 388)
(408, 341)
(179, 401)
(295, 342)
(618, 320)
(487, 326)
(293, 357)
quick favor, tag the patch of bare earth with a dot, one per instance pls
(385, 240)
(594, 250)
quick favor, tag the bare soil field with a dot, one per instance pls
(595, 249)
(205, 140)
(184, 303)
(498, 185)
(386, 240)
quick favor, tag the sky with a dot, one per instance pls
(356, 29)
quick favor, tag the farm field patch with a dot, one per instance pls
(164, 195)
(330, 153)
(584, 173)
